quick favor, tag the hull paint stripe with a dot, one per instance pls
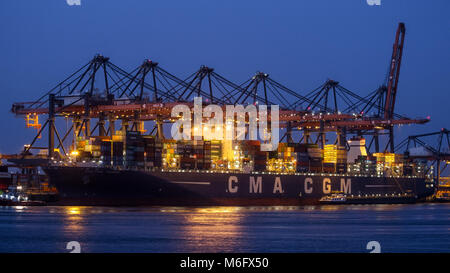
(380, 186)
(193, 183)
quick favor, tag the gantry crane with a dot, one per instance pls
(102, 91)
(437, 151)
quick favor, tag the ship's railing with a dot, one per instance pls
(310, 173)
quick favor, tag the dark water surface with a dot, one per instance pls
(398, 228)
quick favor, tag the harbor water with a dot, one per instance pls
(345, 228)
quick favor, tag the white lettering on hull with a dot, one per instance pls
(255, 185)
(308, 185)
(326, 186)
(277, 187)
(346, 186)
(231, 187)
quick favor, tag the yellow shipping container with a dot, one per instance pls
(117, 138)
(330, 153)
(388, 158)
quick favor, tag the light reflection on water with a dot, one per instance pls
(331, 228)
(210, 229)
(73, 222)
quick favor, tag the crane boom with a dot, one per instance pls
(394, 71)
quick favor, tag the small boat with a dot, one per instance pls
(335, 198)
(442, 195)
(18, 200)
(340, 198)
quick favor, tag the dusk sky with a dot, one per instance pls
(299, 43)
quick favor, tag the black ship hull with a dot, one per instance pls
(109, 187)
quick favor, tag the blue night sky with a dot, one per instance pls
(299, 43)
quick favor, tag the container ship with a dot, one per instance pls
(131, 166)
(134, 169)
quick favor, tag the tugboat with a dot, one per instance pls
(22, 185)
(15, 198)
